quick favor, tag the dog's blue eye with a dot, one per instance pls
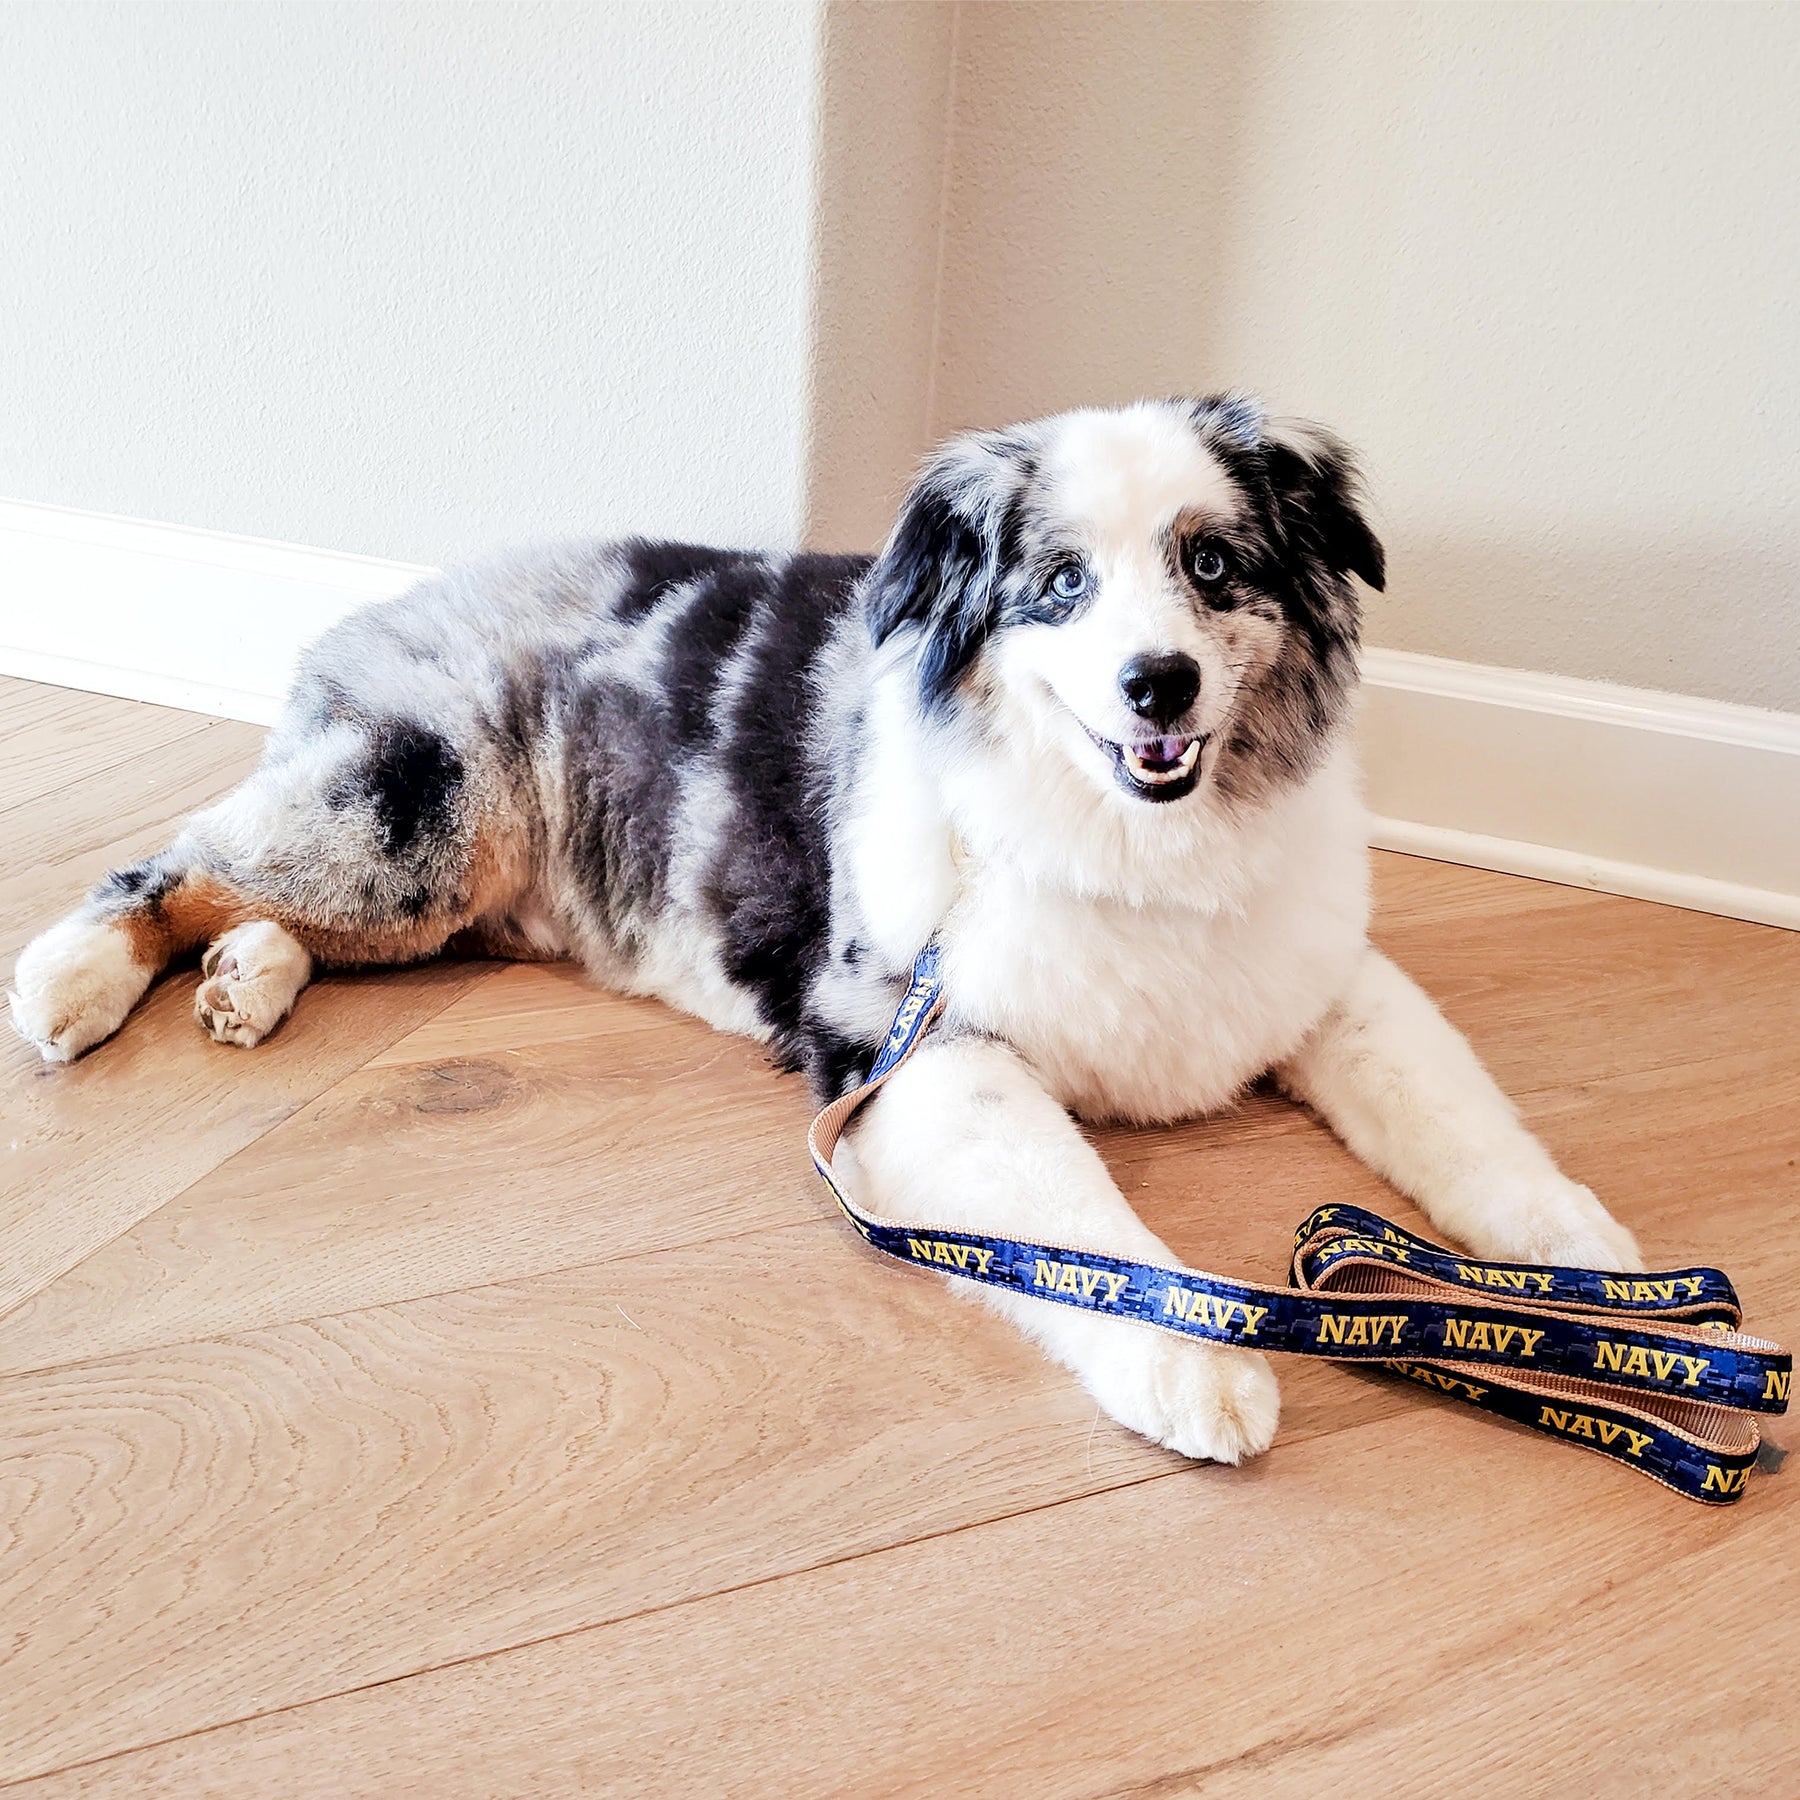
(1209, 563)
(1069, 582)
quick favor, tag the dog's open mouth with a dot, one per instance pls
(1160, 768)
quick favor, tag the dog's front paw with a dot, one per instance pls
(1204, 1400)
(1550, 1219)
(73, 986)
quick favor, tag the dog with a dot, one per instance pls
(1086, 719)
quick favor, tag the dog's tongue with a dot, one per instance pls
(1163, 749)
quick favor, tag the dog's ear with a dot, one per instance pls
(1318, 498)
(939, 571)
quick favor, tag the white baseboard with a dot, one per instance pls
(1660, 796)
(170, 613)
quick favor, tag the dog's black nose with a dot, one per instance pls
(1160, 688)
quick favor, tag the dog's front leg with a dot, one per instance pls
(1400, 1085)
(964, 1136)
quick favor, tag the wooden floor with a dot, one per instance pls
(483, 1399)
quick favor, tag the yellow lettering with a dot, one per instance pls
(1253, 1313)
(1584, 1425)
(953, 1256)
(1459, 1334)
(1340, 1328)
(1775, 1384)
(1724, 1481)
(1175, 1300)
(1616, 1290)
(1044, 1274)
(1066, 1282)
(1450, 1384)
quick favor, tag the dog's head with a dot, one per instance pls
(1160, 594)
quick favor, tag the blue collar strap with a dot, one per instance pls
(1648, 1369)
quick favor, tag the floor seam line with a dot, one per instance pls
(551, 1637)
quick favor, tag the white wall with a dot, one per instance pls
(413, 280)
(887, 88)
(410, 280)
(1539, 263)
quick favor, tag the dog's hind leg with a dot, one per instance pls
(74, 984)
(364, 843)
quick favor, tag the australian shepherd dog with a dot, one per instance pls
(1085, 719)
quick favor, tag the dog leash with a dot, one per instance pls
(1650, 1370)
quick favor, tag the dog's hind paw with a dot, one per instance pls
(73, 986)
(1205, 1400)
(250, 979)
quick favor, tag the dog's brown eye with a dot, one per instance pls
(1208, 562)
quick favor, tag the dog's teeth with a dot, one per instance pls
(1181, 767)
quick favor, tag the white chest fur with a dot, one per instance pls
(1149, 1012)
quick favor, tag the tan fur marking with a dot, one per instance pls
(196, 912)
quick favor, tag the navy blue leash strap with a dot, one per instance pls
(1651, 1370)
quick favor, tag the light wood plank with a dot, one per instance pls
(92, 1147)
(1184, 1635)
(1424, 892)
(56, 736)
(1567, 995)
(568, 1127)
(115, 804)
(58, 848)
(204, 1533)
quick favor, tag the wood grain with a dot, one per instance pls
(1186, 1635)
(57, 849)
(533, 1125)
(94, 1146)
(55, 736)
(486, 1400)
(363, 1496)
(88, 1149)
